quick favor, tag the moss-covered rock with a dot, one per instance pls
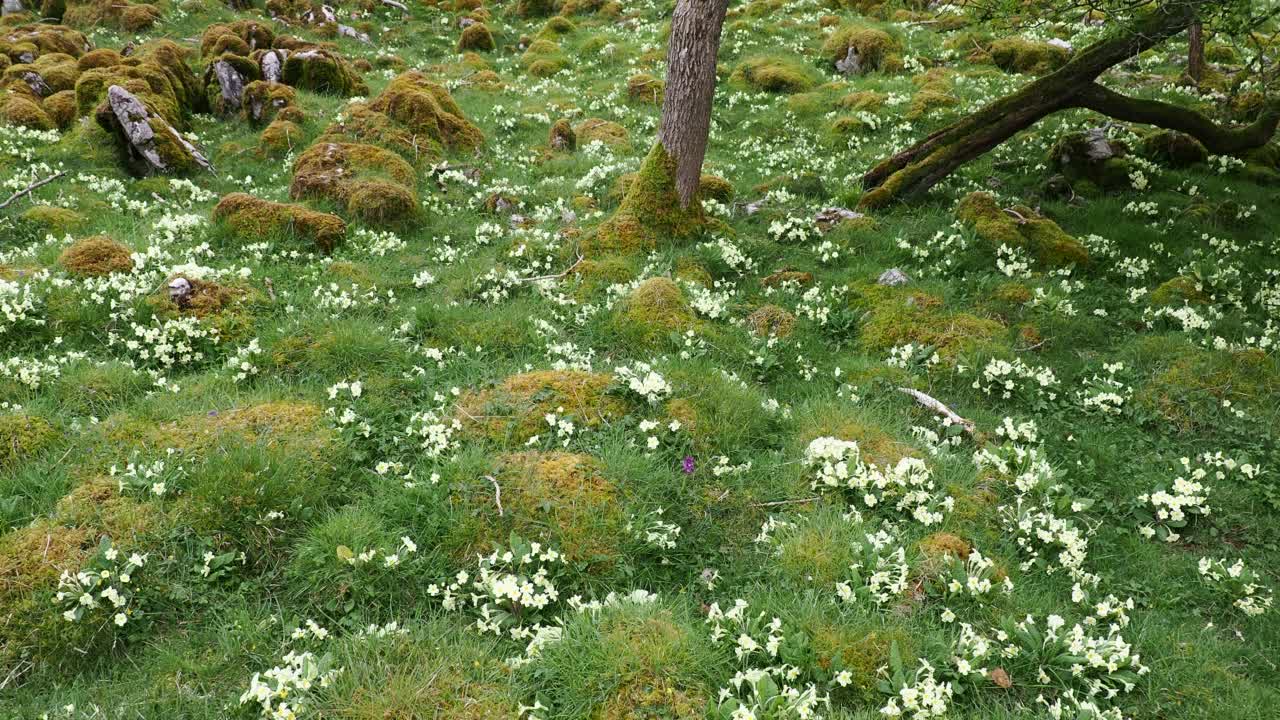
(535, 8)
(604, 131)
(476, 37)
(1179, 291)
(120, 14)
(562, 137)
(895, 316)
(95, 257)
(651, 312)
(774, 74)
(1175, 149)
(645, 88)
(240, 37)
(1091, 158)
(853, 49)
(322, 71)
(253, 219)
(1019, 55)
(1020, 227)
(263, 101)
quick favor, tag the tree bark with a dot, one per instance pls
(691, 87)
(1195, 52)
(912, 172)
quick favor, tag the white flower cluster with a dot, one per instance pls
(641, 379)
(103, 591)
(652, 531)
(1104, 393)
(281, 692)
(907, 485)
(792, 230)
(1007, 379)
(1188, 495)
(18, 305)
(924, 697)
(1237, 583)
(765, 686)
(175, 342)
(242, 362)
(433, 433)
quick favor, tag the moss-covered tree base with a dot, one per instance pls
(650, 214)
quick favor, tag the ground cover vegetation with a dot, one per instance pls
(387, 360)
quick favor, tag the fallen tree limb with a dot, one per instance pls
(28, 189)
(939, 408)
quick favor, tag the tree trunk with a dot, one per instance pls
(691, 86)
(912, 172)
(1195, 52)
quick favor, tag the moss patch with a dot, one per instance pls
(1020, 227)
(96, 256)
(651, 312)
(516, 408)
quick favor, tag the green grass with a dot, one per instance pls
(291, 498)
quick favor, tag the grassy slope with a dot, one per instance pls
(200, 639)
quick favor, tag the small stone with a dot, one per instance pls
(893, 277)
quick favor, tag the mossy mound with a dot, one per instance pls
(568, 493)
(367, 181)
(240, 37)
(1179, 291)
(56, 220)
(24, 110)
(263, 101)
(645, 88)
(774, 74)
(119, 14)
(860, 651)
(562, 137)
(535, 8)
(650, 212)
(1020, 227)
(290, 427)
(21, 436)
(516, 407)
(1092, 160)
(427, 110)
(254, 219)
(651, 312)
(157, 74)
(895, 317)
(604, 131)
(96, 256)
(853, 49)
(1019, 55)
(771, 321)
(1175, 149)
(1187, 386)
(323, 71)
(925, 102)
(476, 37)
(26, 42)
(644, 697)
(278, 138)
